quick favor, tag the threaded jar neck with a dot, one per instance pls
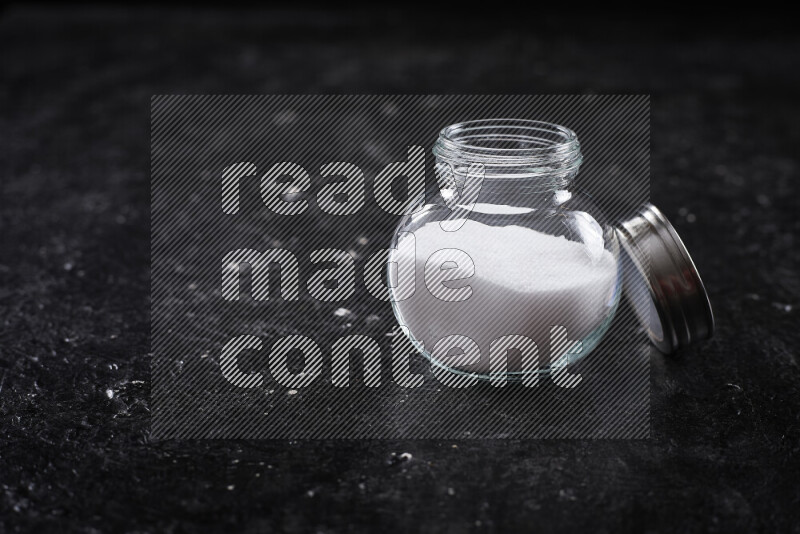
(543, 155)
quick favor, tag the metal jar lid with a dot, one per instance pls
(661, 282)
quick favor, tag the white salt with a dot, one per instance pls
(524, 283)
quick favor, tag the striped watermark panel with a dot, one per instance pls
(280, 281)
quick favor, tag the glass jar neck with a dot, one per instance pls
(529, 157)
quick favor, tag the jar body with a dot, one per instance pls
(524, 267)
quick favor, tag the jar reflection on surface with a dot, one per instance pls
(530, 255)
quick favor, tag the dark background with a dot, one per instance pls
(75, 87)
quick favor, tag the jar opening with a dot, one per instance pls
(511, 148)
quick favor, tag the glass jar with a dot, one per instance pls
(505, 247)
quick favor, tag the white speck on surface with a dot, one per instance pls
(310, 493)
(406, 456)
(231, 487)
(110, 393)
(342, 312)
(362, 240)
(292, 392)
(451, 491)
(68, 266)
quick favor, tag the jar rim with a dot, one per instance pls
(525, 148)
(487, 128)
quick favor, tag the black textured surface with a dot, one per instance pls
(74, 280)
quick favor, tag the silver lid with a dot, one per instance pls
(661, 282)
